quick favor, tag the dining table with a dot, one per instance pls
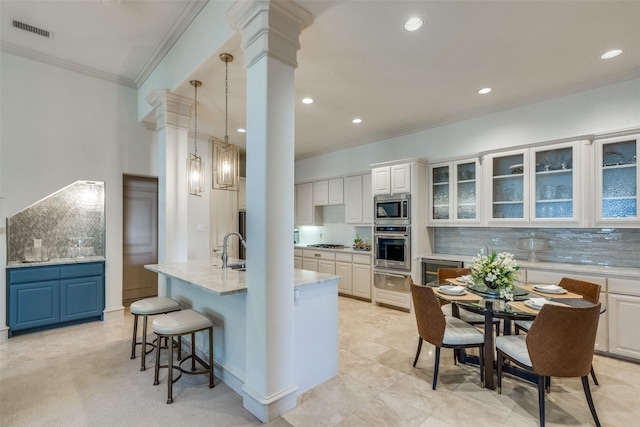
(478, 299)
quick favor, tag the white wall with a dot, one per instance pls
(609, 108)
(58, 126)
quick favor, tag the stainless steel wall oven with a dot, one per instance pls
(392, 247)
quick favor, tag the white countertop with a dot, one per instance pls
(55, 261)
(202, 273)
(345, 249)
(552, 266)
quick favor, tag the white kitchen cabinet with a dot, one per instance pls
(617, 181)
(392, 179)
(326, 266)
(345, 285)
(624, 316)
(310, 264)
(454, 193)
(362, 276)
(367, 200)
(358, 199)
(242, 193)
(535, 185)
(297, 259)
(328, 192)
(353, 199)
(320, 261)
(305, 208)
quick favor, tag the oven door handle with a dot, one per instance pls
(392, 236)
(400, 276)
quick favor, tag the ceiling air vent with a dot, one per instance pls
(31, 29)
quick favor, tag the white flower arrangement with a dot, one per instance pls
(496, 271)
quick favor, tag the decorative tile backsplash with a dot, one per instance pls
(616, 247)
(68, 223)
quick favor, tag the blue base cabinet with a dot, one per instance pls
(51, 296)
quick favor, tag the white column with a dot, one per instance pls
(270, 31)
(173, 113)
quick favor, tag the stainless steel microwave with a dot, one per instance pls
(392, 209)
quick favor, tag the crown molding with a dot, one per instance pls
(67, 65)
(185, 18)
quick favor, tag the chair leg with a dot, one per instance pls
(418, 352)
(135, 336)
(143, 357)
(481, 359)
(170, 372)
(211, 384)
(542, 381)
(157, 370)
(587, 392)
(593, 375)
(193, 351)
(499, 363)
(435, 368)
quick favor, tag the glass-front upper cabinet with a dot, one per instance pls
(617, 180)
(454, 192)
(508, 186)
(555, 195)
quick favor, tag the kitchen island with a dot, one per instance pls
(220, 294)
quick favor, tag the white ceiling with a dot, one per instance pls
(356, 60)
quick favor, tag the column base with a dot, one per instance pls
(269, 408)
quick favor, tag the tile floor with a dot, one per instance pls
(377, 386)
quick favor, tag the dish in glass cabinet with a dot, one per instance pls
(517, 168)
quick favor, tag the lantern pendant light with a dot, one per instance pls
(228, 156)
(195, 165)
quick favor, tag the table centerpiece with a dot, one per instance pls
(495, 274)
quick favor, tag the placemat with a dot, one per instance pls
(549, 294)
(466, 297)
(520, 306)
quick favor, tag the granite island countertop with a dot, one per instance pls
(213, 278)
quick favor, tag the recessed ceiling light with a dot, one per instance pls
(241, 130)
(611, 54)
(485, 90)
(356, 121)
(413, 24)
(307, 101)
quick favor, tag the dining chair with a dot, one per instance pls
(560, 343)
(442, 331)
(589, 291)
(466, 315)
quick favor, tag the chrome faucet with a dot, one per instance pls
(224, 246)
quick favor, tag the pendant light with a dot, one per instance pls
(195, 165)
(228, 156)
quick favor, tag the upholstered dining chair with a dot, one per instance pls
(589, 291)
(466, 315)
(442, 331)
(559, 344)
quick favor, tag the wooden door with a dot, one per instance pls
(140, 237)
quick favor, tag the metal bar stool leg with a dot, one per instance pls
(211, 384)
(135, 336)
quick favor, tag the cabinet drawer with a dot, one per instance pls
(82, 270)
(624, 286)
(319, 255)
(33, 274)
(297, 252)
(362, 259)
(342, 257)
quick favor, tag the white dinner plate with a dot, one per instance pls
(538, 303)
(550, 289)
(452, 290)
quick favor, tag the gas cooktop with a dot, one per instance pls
(326, 246)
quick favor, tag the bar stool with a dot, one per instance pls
(177, 324)
(148, 307)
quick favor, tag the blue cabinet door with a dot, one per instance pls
(34, 304)
(81, 297)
